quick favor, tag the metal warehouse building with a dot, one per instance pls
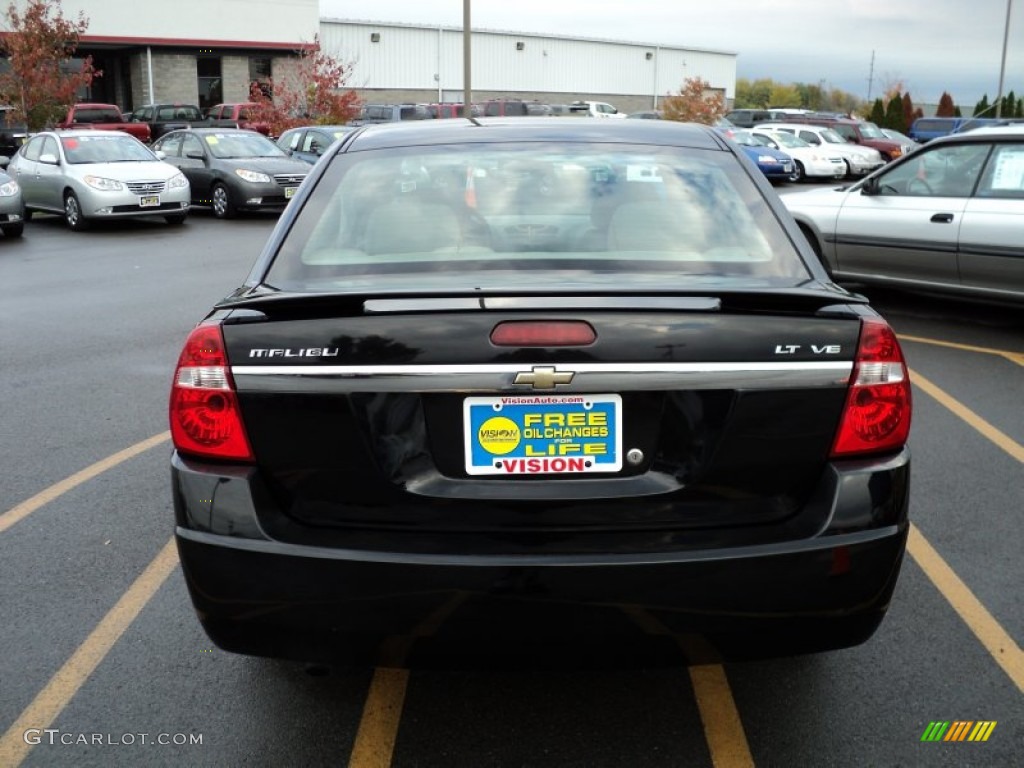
(205, 52)
(402, 62)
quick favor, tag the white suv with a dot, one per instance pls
(860, 160)
(594, 109)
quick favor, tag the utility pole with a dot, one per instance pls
(871, 76)
(1002, 65)
(467, 61)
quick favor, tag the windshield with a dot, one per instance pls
(871, 131)
(831, 137)
(788, 140)
(240, 145)
(459, 218)
(105, 149)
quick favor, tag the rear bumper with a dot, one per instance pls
(262, 596)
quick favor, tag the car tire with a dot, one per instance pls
(220, 199)
(849, 170)
(798, 172)
(14, 230)
(176, 219)
(73, 216)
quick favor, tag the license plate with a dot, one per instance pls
(289, 192)
(151, 201)
(543, 434)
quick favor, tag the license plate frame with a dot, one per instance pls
(561, 435)
(149, 201)
(289, 192)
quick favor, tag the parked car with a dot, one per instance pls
(775, 164)
(908, 144)
(237, 115)
(232, 169)
(948, 218)
(102, 117)
(647, 114)
(92, 175)
(857, 132)
(451, 109)
(859, 160)
(924, 129)
(162, 118)
(594, 109)
(13, 133)
(389, 113)
(12, 205)
(309, 142)
(809, 162)
(601, 377)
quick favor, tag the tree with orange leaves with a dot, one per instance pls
(43, 77)
(311, 90)
(694, 103)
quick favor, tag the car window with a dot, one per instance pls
(810, 137)
(241, 145)
(104, 149)
(34, 148)
(467, 216)
(290, 140)
(315, 142)
(49, 146)
(170, 145)
(165, 113)
(848, 132)
(1004, 174)
(947, 171)
(191, 143)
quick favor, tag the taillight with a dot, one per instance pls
(877, 413)
(205, 416)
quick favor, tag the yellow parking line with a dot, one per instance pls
(62, 687)
(997, 641)
(382, 712)
(723, 729)
(1016, 357)
(27, 507)
(1001, 439)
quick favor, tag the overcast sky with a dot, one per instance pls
(929, 45)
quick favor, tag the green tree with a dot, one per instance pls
(877, 115)
(1008, 105)
(981, 106)
(946, 107)
(784, 96)
(695, 102)
(894, 114)
(42, 78)
(752, 94)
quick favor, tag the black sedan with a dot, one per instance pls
(232, 169)
(310, 142)
(526, 390)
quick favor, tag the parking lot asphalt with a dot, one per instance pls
(104, 660)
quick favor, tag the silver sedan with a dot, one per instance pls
(86, 175)
(948, 218)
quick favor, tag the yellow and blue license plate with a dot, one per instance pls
(543, 434)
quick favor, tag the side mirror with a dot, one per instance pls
(194, 155)
(48, 158)
(870, 187)
(160, 154)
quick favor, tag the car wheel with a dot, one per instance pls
(849, 170)
(223, 208)
(798, 172)
(73, 213)
(14, 230)
(176, 219)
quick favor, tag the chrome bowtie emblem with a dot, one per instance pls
(544, 377)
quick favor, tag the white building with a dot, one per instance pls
(402, 62)
(208, 51)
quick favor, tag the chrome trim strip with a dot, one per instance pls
(589, 377)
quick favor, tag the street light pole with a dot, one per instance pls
(467, 68)
(1002, 65)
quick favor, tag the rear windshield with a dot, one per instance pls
(493, 215)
